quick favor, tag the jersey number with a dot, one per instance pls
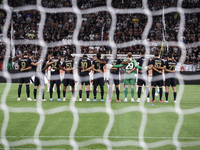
(171, 67)
(158, 64)
(68, 65)
(23, 64)
(54, 65)
(130, 66)
(84, 65)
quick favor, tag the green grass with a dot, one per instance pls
(126, 126)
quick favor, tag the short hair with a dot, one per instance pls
(85, 56)
(98, 55)
(142, 52)
(156, 53)
(55, 53)
(169, 55)
(129, 54)
(25, 54)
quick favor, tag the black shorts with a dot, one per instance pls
(39, 81)
(98, 81)
(67, 82)
(55, 82)
(115, 81)
(157, 83)
(24, 80)
(141, 82)
(85, 80)
(170, 81)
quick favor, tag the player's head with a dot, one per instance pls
(98, 55)
(129, 55)
(169, 56)
(142, 53)
(55, 54)
(156, 54)
(84, 56)
(25, 54)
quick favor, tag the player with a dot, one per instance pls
(130, 67)
(170, 65)
(39, 80)
(68, 65)
(157, 79)
(98, 65)
(24, 65)
(84, 67)
(143, 76)
(114, 73)
(55, 75)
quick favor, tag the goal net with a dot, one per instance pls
(45, 37)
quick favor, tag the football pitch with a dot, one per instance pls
(159, 129)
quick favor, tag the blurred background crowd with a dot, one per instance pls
(96, 26)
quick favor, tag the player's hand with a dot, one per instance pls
(99, 71)
(160, 71)
(21, 69)
(128, 72)
(82, 70)
(55, 60)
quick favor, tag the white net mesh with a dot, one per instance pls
(105, 138)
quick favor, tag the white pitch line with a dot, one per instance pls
(114, 137)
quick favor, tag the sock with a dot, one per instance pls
(64, 92)
(174, 95)
(153, 93)
(48, 85)
(19, 90)
(132, 92)
(110, 92)
(166, 96)
(80, 93)
(27, 90)
(42, 91)
(117, 92)
(161, 91)
(58, 90)
(35, 93)
(51, 90)
(147, 92)
(88, 94)
(102, 92)
(126, 91)
(95, 92)
(90, 86)
(139, 91)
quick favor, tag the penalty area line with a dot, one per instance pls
(113, 137)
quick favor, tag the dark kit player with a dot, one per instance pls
(24, 65)
(98, 65)
(170, 65)
(55, 75)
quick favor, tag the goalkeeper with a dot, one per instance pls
(130, 66)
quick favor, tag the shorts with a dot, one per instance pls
(67, 82)
(37, 81)
(85, 80)
(131, 81)
(115, 81)
(55, 82)
(24, 80)
(157, 81)
(170, 81)
(141, 82)
(98, 81)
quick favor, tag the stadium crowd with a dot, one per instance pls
(96, 26)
